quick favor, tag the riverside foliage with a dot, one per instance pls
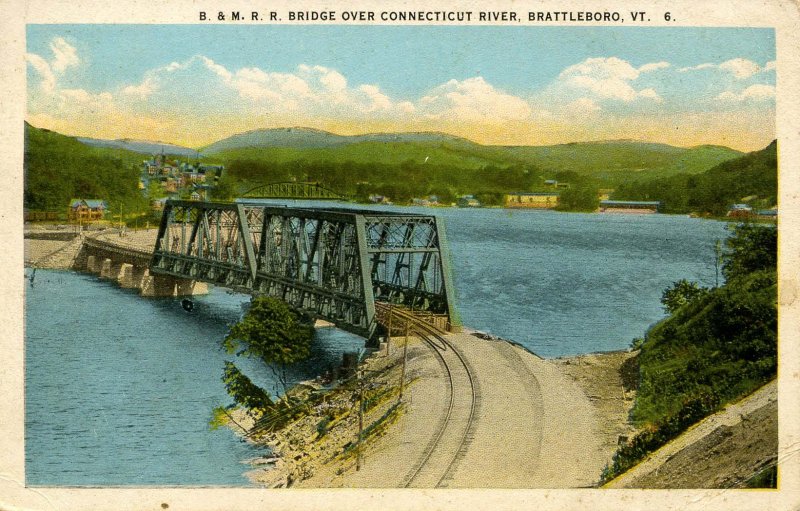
(717, 347)
(273, 332)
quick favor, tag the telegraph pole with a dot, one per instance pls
(360, 381)
(403, 370)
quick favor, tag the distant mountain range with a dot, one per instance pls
(139, 146)
(286, 144)
(309, 138)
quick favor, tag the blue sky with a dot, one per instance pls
(522, 85)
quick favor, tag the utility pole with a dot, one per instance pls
(403, 370)
(360, 416)
(360, 382)
(389, 333)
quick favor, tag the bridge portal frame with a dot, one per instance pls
(331, 263)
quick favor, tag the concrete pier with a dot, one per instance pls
(130, 269)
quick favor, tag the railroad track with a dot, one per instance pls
(455, 430)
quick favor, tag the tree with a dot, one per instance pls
(244, 391)
(579, 198)
(224, 189)
(681, 293)
(751, 247)
(274, 333)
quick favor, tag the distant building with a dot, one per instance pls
(545, 200)
(86, 210)
(767, 214)
(629, 206)
(739, 211)
(205, 168)
(158, 204)
(379, 199)
(604, 193)
(431, 200)
(468, 201)
(170, 185)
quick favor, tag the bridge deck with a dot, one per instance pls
(333, 263)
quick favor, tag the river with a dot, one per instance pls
(120, 389)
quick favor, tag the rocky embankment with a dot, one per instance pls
(533, 415)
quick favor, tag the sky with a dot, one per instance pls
(195, 84)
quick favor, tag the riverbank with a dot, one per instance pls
(532, 415)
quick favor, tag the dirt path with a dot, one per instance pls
(535, 427)
(722, 451)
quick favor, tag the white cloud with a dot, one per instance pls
(650, 94)
(609, 78)
(64, 57)
(143, 90)
(654, 66)
(42, 67)
(64, 53)
(754, 92)
(740, 68)
(472, 99)
(698, 67)
(583, 106)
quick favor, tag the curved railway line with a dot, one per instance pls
(455, 429)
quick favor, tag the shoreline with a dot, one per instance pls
(301, 457)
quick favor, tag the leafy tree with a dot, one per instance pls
(579, 198)
(224, 189)
(274, 333)
(681, 293)
(244, 391)
(750, 248)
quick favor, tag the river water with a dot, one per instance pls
(120, 389)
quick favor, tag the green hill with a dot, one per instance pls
(59, 168)
(617, 161)
(453, 153)
(605, 164)
(753, 177)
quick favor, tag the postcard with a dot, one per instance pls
(400, 255)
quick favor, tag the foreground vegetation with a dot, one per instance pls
(717, 346)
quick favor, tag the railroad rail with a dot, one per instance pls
(453, 434)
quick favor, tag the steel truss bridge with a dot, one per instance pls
(293, 190)
(331, 263)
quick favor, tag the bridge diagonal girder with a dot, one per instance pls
(331, 263)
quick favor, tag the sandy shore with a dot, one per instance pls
(540, 423)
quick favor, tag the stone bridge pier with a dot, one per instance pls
(130, 268)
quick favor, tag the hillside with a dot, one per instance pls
(717, 347)
(753, 176)
(616, 161)
(139, 146)
(60, 168)
(309, 138)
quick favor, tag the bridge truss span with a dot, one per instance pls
(331, 263)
